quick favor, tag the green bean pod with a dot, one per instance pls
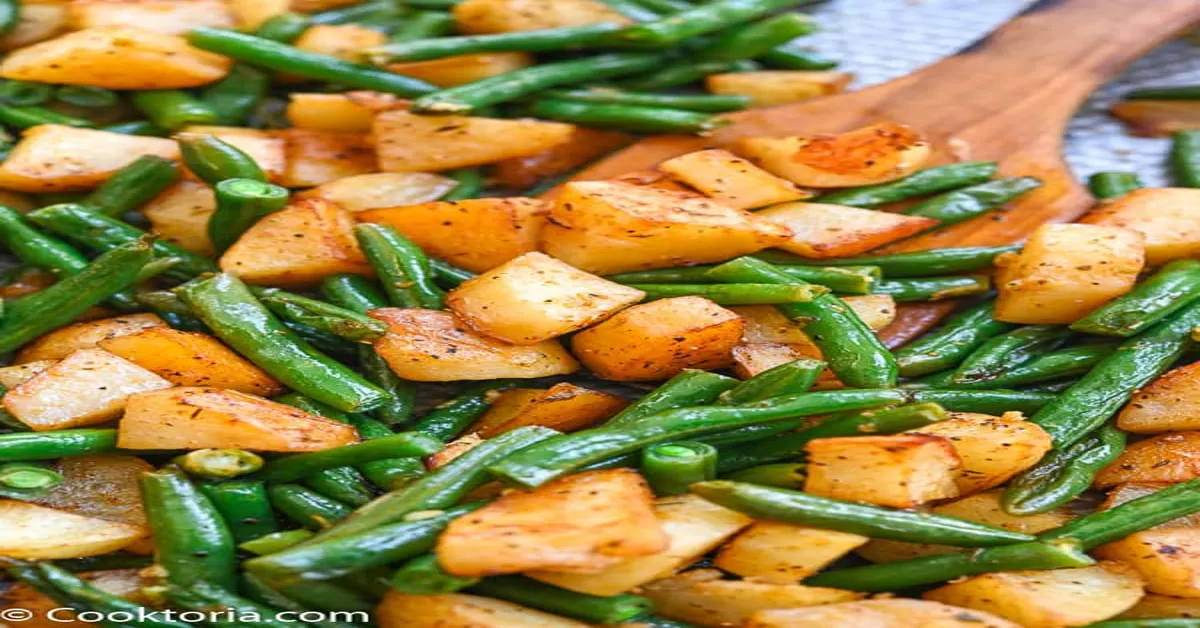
(284, 27)
(671, 468)
(1049, 367)
(237, 95)
(1110, 185)
(24, 446)
(589, 608)
(133, 186)
(758, 38)
(447, 421)
(37, 249)
(633, 118)
(24, 93)
(244, 506)
(707, 103)
(209, 598)
(1001, 353)
(995, 402)
(788, 475)
(948, 345)
(846, 280)
(967, 203)
(934, 288)
(401, 265)
(1143, 513)
(26, 117)
(274, 542)
(794, 56)
(1172, 288)
(734, 293)
(191, 539)
(240, 204)
(388, 473)
(541, 40)
(913, 264)
(1062, 475)
(470, 184)
(214, 160)
(219, 464)
(1185, 158)
(306, 507)
(27, 481)
(683, 73)
(1174, 92)
(173, 108)
(256, 590)
(343, 484)
(299, 466)
(423, 575)
(920, 183)
(702, 19)
(421, 26)
(334, 319)
(790, 378)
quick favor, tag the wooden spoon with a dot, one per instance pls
(1006, 98)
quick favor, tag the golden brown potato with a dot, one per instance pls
(13, 376)
(1130, 491)
(821, 231)
(382, 189)
(1164, 216)
(581, 523)
(350, 112)
(460, 69)
(564, 407)
(315, 6)
(408, 142)
(1162, 607)
(343, 41)
(435, 346)
(694, 525)
(1167, 559)
(452, 451)
(88, 387)
(1047, 599)
(1169, 403)
(196, 417)
(660, 339)
(900, 471)
(1169, 457)
(729, 179)
(267, 148)
(180, 215)
(872, 154)
(250, 14)
(656, 179)
(782, 553)
(536, 297)
(520, 173)
(56, 158)
(509, 16)
(36, 22)
(300, 245)
(462, 611)
(881, 613)
(768, 88)
(192, 359)
(452, 230)
(173, 17)
(317, 157)
(876, 310)
(1066, 271)
(605, 227)
(116, 57)
(752, 358)
(1157, 118)
(33, 532)
(64, 341)
(702, 597)
(104, 487)
(125, 583)
(992, 449)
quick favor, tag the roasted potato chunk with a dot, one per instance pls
(1130, 491)
(13, 376)
(564, 407)
(350, 112)
(56, 158)
(173, 17)
(180, 215)
(435, 346)
(408, 142)
(460, 69)
(35, 22)
(32, 532)
(382, 189)
(822, 231)
(64, 341)
(1167, 457)
(752, 358)
(882, 613)
(250, 14)
(900, 471)
(344, 41)
(510, 16)
(1167, 559)
(702, 597)
(192, 359)
(729, 179)
(992, 449)
(660, 339)
(781, 553)
(872, 154)
(317, 157)
(520, 173)
(1169, 403)
(777, 87)
(462, 611)
(1161, 607)
(104, 487)
(1164, 216)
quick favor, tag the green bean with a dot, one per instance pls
(1063, 475)
(565, 454)
(280, 57)
(633, 10)
(671, 468)
(805, 509)
(284, 28)
(136, 127)
(1109, 185)
(624, 117)
(10, 16)
(336, 320)
(1049, 367)
(275, 542)
(57, 444)
(25, 93)
(665, 7)
(78, 591)
(855, 354)
(470, 184)
(995, 402)
(330, 597)
(847, 280)
(37, 249)
(343, 484)
(914, 264)
(86, 96)
(219, 464)
(173, 108)
(948, 345)
(133, 186)
(390, 473)
(232, 610)
(298, 466)
(758, 38)
(683, 73)
(788, 475)
(1106, 526)
(33, 315)
(423, 575)
(794, 56)
(526, 81)
(790, 446)
(921, 183)
(214, 160)
(1185, 158)
(1173, 287)
(589, 608)
(27, 480)
(967, 203)
(735, 293)
(1001, 353)
(191, 539)
(447, 421)
(25, 117)
(706, 18)
(707, 103)
(1174, 92)
(401, 265)
(244, 506)
(934, 288)
(237, 95)
(307, 508)
(1087, 404)
(448, 275)
(421, 26)
(541, 40)
(353, 292)
(228, 307)
(790, 378)
(367, 12)
(104, 562)
(258, 591)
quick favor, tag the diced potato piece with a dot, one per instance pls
(660, 339)
(702, 597)
(180, 215)
(1168, 560)
(250, 14)
(535, 297)
(1169, 403)
(452, 451)
(25, 281)
(777, 87)
(1066, 271)
(343, 41)
(173, 17)
(729, 179)
(881, 613)
(382, 189)
(900, 471)
(56, 158)
(564, 407)
(300, 245)
(520, 173)
(992, 449)
(116, 57)
(822, 231)
(581, 523)
(192, 359)
(462, 611)
(317, 157)
(125, 583)
(266, 148)
(64, 341)
(694, 525)
(32, 532)
(1170, 457)
(13, 376)
(656, 179)
(782, 553)
(1162, 607)
(604, 227)
(876, 310)
(88, 387)
(349, 112)
(872, 154)
(1130, 491)
(510, 16)
(104, 487)
(460, 69)
(476, 234)
(1047, 599)
(981, 508)
(435, 346)
(315, 6)
(36, 22)
(1164, 216)
(752, 358)
(765, 323)
(1157, 118)
(408, 142)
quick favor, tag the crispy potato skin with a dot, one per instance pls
(564, 407)
(1170, 457)
(316, 157)
(729, 179)
(1169, 403)
(872, 154)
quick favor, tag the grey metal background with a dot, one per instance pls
(881, 39)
